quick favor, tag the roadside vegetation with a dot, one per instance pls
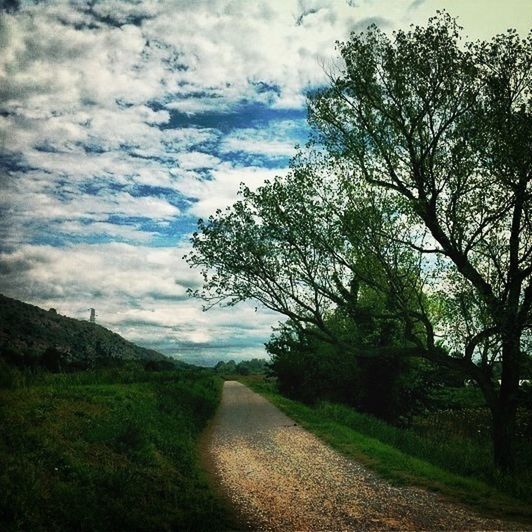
(109, 449)
(441, 450)
(399, 243)
(255, 366)
(421, 409)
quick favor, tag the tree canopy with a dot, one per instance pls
(416, 187)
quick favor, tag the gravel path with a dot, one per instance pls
(280, 477)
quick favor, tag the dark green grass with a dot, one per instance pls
(460, 469)
(107, 451)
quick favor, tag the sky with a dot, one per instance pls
(122, 122)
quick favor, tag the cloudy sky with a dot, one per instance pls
(122, 122)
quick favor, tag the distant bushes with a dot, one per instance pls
(391, 387)
(19, 359)
(19, 369)
(51, 360)
(245, 367)
(159, 365)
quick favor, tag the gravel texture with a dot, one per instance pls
(278, 476)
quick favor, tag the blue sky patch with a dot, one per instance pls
(124, 122)
(247, 114)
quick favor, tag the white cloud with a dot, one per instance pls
(222, 189)
(193, 160)
(90, 96)
(131, 233)
(261, 141)
(137, 291)
(96, 206)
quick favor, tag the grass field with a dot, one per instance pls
(460, 469)
(107, 450)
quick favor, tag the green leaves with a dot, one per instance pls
(417, 187)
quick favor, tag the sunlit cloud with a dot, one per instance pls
(123, 122)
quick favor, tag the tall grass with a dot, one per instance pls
(445, 448)
(127, 372)
(107, 450)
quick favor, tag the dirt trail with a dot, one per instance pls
(280, 477)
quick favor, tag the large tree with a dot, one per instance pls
(303, 246)
(447, 127)
(418, 189)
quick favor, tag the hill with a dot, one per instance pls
(29, 334)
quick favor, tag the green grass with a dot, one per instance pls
(108, 450)
(405, 457)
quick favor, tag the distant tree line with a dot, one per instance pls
(255, 366)
(390, 386)
(55, 360)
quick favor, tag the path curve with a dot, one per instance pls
(278, 476)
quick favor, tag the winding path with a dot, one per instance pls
(280, 477)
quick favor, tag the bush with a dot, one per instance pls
(51, 360)
(159, 365)
(10, 377)
(390, 387)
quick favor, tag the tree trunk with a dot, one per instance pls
(504, 412)
(503, 432)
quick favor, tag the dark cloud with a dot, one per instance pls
(306, 13)
(131, 13)
(9, 5)
(363, 24)
(13, 266)
(246, 114)
(415, 4)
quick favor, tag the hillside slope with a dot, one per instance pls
(107, 450)
(28, 331)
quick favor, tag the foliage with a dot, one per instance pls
(446, 128)
(104, 450)
(255, 366)
(51, 359)
(308, 369)
(416, 188)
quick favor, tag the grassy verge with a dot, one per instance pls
(107, 451)
(395, 454)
